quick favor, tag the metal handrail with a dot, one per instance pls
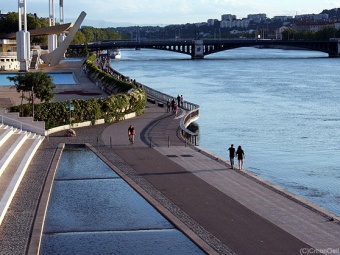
(188, 118)
(22, 125)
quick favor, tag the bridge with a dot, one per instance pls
(198, 49)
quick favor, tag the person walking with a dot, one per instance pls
(178, 100)
(240, 157)
(168, 105)
(232, 153)
(173, 102)
(182, 101)
(131, 134)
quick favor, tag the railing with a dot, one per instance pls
(21, 125)
(191, 115)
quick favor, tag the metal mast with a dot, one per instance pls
(61, 9)
(52, 39)
(23, 37)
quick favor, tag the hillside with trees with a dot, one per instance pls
(9, 24)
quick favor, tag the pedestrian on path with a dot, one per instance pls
(232, 153)
(173, 102)
(178, 100)
(182, 101)
(168, 105)
(131, 134)
(175, 110)
(240, 157)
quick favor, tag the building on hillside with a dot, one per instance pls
(282, 18)
(313, 26)
(312, 17)
(244, 23)
(212, 22)
(229, 17)
(257, 18)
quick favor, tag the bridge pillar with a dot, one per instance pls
(198, 50)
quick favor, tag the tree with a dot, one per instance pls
(37, 85)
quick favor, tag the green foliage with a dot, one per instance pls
(111, 84)
(91, 34)
(9, 24)
(38, 85)
(111, 108)
(323, 34)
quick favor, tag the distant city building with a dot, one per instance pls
(212, 22)
(228, 17)
(282, 18)
(244, 23)
(257, 18)
(313, 26)
(312, 17)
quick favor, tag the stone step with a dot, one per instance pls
(17, 153)
(12, 148)
(15, 173)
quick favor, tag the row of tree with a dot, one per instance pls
(323, 34)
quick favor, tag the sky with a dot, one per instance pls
(105, 13)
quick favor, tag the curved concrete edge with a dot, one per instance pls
(75, 125)
(325, 213)
(17, 178)
(38, 227)
(84, 124)
(4, 162)
(6, 135)
(159, 207)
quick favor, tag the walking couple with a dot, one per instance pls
(240, 156)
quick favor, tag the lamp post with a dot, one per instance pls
(32, 102)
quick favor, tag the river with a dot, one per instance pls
(282, 106)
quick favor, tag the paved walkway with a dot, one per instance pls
(232, 211)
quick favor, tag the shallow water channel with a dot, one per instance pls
(94, 211)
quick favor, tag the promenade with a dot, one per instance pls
(225, 211)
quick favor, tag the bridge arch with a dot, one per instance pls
(197, 49)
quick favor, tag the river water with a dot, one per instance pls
(282, 106)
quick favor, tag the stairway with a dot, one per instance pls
(17, 148)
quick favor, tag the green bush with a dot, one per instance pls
(111, 84)
(111, 109)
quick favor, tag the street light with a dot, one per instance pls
(33, 102)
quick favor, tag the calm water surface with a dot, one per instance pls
(282, 106)
(58, 78)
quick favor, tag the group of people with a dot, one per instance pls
(233, 152)
(240, 156)
(172, 106)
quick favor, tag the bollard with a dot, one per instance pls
(97, 142)
(110, 142)
(168, 141)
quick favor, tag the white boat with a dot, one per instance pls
(115, 54)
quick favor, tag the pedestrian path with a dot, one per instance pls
(247, 207)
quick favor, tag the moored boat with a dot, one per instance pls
(115, 54)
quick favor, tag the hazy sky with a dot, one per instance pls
(160, 12)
